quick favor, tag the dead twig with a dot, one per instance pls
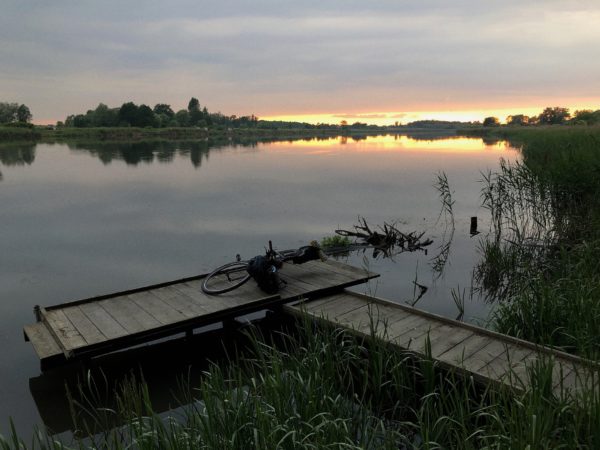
(386, 239)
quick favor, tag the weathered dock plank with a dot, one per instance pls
(91, 327)
(103, 320)
(469, 350)
(84, 326)
(44, 343)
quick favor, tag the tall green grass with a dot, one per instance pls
(541, 259)
(325, 388)
(8, 134)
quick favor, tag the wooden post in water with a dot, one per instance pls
(473, 230)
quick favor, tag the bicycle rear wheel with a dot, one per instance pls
(226, 278)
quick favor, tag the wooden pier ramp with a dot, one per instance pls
(463, 348)
(94, 326)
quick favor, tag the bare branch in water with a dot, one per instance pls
(387, 240)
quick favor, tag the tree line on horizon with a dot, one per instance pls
(162, 115)
(556, 115)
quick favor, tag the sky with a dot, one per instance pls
(319, 61)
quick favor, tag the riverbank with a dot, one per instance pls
(295, 385)
(116, 134)
(10, 134)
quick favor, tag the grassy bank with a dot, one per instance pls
(133, 134)
(19, 134)
(322, 388)
(541, 261)
(188, 133)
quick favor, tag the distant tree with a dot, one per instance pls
(587, 115)
(128, 114)
(162, 120)
(195, 114)
(554, 116)
(518, 119)
(182, 117)
(13, 112)
(163, 108)
(206, 116)
(193, 105)
(103, 116)
(344, 123)
(491, 122)
(81, 121)
(8, 112)
(145, 117)
(23, 114)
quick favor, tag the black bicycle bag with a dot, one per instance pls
(264, 273)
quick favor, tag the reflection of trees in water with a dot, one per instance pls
(134, 153)
(17, 154)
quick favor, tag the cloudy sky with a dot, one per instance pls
(317, 60)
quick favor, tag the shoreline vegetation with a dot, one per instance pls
(117, 134)
(140, 122)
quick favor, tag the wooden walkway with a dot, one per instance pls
(466, 349)
(91, 327)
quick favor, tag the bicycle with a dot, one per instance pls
(264, 269)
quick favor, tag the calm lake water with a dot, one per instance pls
(84, 220)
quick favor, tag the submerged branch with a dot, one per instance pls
(387, 239)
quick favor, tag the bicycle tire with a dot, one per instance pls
(226, 270)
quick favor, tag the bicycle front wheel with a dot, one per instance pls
(226, 278)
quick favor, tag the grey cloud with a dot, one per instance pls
(294, 56)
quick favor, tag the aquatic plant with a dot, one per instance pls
(322, 387)
(540, 260)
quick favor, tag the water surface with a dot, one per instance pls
(81, 220)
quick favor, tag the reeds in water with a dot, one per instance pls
(325, 388)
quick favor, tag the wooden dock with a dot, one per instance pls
(86, 328)
(466, 349)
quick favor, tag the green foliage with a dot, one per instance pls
(163, 108)
(193, 105)
(335, 242)
(540, 261)
(491, 122)
(23, 114)
(13, 112)
(18, 132)
(554, 116)
(183, 118)
(313, 388)
(587, 117)
(518, 119)
(28, 126)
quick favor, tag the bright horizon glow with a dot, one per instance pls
(390, 117)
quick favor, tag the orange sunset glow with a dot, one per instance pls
(391, 117)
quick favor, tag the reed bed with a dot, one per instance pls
(310, 388)
(540, 261)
